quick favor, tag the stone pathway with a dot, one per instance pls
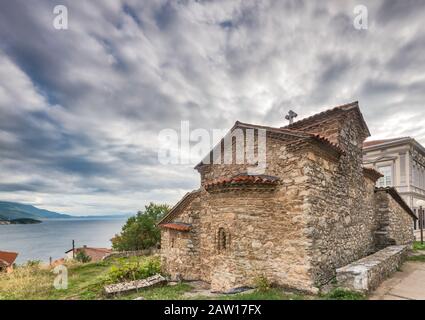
(408, 284)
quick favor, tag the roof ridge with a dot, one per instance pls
(295, 133)
(187, 198)
(344, 107)
(396, 196)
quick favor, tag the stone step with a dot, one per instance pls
(367, 273)
(134, 285)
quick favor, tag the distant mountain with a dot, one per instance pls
(114, 216)
(14, 210)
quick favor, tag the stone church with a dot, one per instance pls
(313, 210)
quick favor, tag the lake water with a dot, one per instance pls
(53, 237)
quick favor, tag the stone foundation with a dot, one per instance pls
(366, 274)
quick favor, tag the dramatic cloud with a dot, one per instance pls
(81, 109)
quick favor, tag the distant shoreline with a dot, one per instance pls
(20, 221)
(76, 218)
(54, 236)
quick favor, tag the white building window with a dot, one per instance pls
(387, 179)
(403, 169)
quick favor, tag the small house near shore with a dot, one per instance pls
(95, 254)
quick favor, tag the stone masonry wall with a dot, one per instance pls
(367, 273)
(266, 228)
(395, 224)
(319, 218)
(401, 224)
(265, 239)
(180, 254)
(342, 212)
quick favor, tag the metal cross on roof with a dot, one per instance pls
(291, 116)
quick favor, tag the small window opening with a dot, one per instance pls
(222, 240)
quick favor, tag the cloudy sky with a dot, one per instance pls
(81, 109)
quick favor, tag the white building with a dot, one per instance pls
(402, 162)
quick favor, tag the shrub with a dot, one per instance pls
(262, 283)
(82, 257)
(33, 263)
(133, 269)
(141, 232)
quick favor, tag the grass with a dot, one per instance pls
(268, 294)
(175, 292)
(86, 281)
(418, 258)
(417, 246)
(341, 294)
(28, 282)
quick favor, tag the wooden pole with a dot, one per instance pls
(421, 223)
(73, 249)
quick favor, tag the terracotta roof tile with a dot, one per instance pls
(243, 179)
(300, 128)
(8, 257)
(95, 254)
(177, 226)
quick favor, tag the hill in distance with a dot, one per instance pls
(13, 211)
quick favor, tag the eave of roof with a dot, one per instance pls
(103, 250)
(243, 179)
(8, 257)
(386, 143)
(3, 263)
(178, 226)
(383, 142)
(396, 196)
(179, 206)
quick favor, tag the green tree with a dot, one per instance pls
(140, 232)
(82, 256)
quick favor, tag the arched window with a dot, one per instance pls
(223, 240)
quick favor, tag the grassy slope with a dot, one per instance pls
(86, 283)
